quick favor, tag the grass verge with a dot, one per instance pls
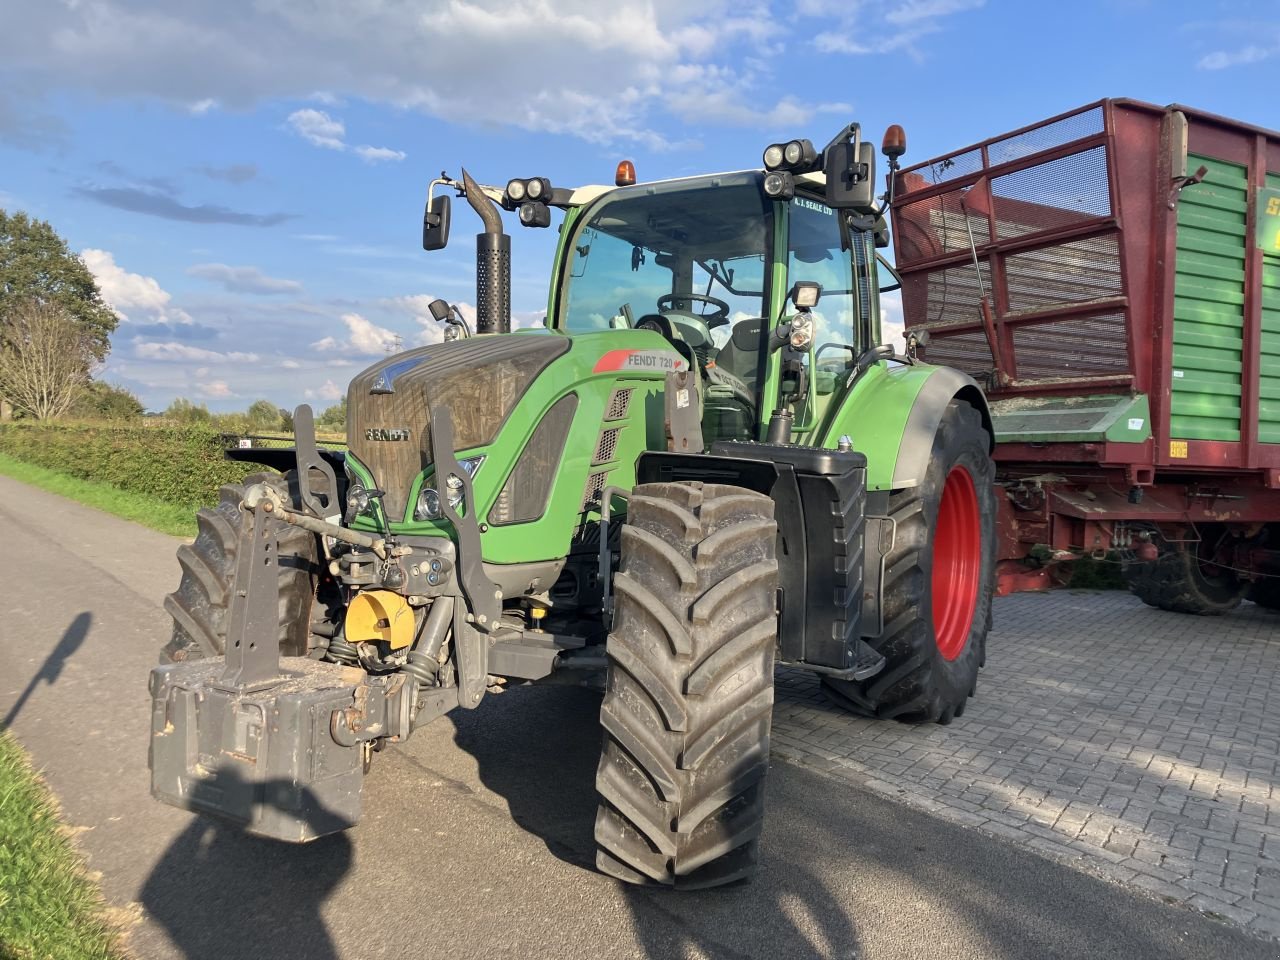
(179, 521)
(48, 906)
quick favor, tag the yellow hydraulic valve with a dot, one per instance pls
(380, 615)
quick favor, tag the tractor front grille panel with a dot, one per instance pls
(524, 496)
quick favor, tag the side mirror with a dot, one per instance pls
(850, 168)
(435, 223)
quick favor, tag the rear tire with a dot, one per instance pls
(199, 605)
(689, 694)
(936, 616)
(1177, 581)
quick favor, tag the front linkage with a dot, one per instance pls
(281, 748)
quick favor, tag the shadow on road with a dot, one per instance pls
(538, 748)
(220, 893)
(51, 669)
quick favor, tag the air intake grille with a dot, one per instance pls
(607, 446)
(591, 496)
(618, 404)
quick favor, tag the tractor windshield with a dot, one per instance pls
(687, 257)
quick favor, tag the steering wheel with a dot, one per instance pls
(668, 302)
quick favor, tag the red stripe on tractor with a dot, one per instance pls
(613, 360)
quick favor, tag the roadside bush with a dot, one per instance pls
(179, 464)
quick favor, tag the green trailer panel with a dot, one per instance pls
(1269, 341)
(1208, 311)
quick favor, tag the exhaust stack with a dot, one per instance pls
(493, 264)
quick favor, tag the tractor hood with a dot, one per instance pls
(480, 379)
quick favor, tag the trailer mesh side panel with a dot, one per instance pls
(1046, 136)
(1046, 277)
(1074, 347)
(1051, 195)
(1045, 233)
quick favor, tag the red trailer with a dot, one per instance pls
(1112, 275)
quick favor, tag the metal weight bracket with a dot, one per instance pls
(309, 459)
(253, 643)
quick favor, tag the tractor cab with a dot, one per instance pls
(719, 287)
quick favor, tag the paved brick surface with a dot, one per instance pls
(1141, 745)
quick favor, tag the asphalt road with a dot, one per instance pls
(476, 840)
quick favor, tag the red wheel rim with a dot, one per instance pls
(957, 563)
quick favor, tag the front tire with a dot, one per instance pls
(939, 577)
(689, 693)
(199, 606)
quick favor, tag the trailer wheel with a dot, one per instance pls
(938, 582)
(689, 694)
(1182, 581)
(199, 605)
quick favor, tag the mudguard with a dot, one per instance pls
(892, 416)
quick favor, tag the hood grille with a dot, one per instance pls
(480, 379)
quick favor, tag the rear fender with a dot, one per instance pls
(893, 414)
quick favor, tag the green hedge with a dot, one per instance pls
(182, 465)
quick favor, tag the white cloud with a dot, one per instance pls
(182, 352)
(913, 11)
(318, 128)
(322, 130)
(326, 391)
(365, 338)
(860, 30)
(377, 154)
(291, 364)
(505, 63)
(1222, 59)
(215, 388)
(126, 291)
(243, 279)
(201, 107)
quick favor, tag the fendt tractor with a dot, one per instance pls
(1112, 276)
(703, 464)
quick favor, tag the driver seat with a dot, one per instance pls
(740, 355)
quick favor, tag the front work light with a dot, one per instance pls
(805, 294)
(798, 156)
(515, 190)
(535, 214)
(779, 185)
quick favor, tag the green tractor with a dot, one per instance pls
(702, 466)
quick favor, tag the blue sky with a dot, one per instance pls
(246, 178)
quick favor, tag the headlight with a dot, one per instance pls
(515, 190)
(428, 505)
(792, 152)
(773, 157)
(801, 331)
(535, 188)
(357, 501)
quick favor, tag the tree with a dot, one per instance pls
(263, 415)
(106, 401)
(45, 358)
(334, 419)
(184, 411)
(36, 264)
